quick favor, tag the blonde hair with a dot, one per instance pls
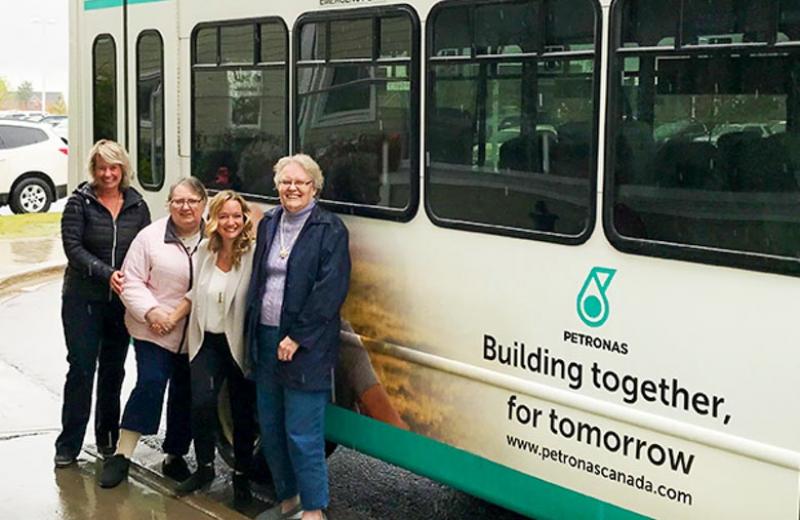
(308, 165)
(244, 241)
(113, 153)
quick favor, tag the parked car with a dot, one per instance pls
(33, 166)
(61, 128)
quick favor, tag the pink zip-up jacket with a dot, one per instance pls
(158, 272)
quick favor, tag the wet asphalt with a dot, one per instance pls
(32, 370)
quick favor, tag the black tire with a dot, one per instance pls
(31, 195)
(259, 471)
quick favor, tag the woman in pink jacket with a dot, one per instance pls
(158, 273)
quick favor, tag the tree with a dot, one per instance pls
(3, 91)
(25, 93)
(59, 107)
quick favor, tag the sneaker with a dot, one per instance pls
(241, 489)
(275, 513)
(200, 478)
(62, 460)
(175, 468)
(115, 470)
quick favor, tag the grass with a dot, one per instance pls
(30, 225)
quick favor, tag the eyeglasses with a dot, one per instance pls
(298, 184)
(179, 203)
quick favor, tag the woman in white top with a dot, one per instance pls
(216, 340)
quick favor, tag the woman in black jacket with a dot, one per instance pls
(100, 220)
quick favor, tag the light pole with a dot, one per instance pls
(45, 22)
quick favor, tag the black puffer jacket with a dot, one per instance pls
(94, 243)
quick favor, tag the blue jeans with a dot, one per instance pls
(292, 424)
(155, 366)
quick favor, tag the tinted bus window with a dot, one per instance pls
(705, 152)
(239, 106)
(511, 117)
(357, 109)
(150, 110)
(104, 88)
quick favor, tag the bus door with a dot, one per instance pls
(152, 102)
(96, 90)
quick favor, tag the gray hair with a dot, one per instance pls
(308, 165)
(113, 153)
(193, 184)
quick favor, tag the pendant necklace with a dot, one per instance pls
(284, 250)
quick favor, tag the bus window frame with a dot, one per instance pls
(597, 74)
(407, 213)
(160, 184)
(697, 254)
(115, 85)
(259, 65)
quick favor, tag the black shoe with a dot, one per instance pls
(62, 460)
(115, 470)
(202, 477)
(175, 468)
(241, 489)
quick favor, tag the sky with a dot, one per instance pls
(28, 55)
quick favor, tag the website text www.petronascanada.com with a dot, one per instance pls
(639, 482)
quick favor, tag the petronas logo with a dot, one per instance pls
(593, 308)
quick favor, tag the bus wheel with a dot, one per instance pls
(260, 470)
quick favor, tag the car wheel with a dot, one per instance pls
(31, 195)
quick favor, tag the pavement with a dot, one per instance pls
(30, 486)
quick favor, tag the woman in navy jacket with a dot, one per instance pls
(301, 273)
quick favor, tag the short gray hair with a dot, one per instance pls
(193, 184)
(113, 153)
(308, 165)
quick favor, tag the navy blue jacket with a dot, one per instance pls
(96, 244)
(317, 279)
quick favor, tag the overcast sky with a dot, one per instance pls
(25, 54)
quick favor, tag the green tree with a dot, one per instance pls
(25, 93)
(3, 91)
(59, 107)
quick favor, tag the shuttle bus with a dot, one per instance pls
(575, 225)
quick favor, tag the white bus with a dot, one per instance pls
(575, 225)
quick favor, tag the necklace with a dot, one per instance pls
(285, 248)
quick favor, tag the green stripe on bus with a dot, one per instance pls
(477, 476)
(88, 5)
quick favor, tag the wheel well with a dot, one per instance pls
(39, 175)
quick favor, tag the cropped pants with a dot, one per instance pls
(155, 367)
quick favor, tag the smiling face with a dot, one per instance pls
(186, 210)
(295, 188)
(107, 176)
(230, 221)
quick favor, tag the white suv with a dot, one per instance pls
(33, 166)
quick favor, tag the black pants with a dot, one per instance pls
(96, 337)
(210, 368)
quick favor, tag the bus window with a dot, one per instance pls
(150, 110)
(511, 118)
(356, 96)
(104, 88)
(237, 44)
(704, 154)
(239, 104)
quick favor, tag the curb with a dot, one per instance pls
(30, 274)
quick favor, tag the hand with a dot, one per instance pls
(286, 349)
(159, 320)
(116, 281)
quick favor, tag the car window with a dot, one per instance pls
(17, 136)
